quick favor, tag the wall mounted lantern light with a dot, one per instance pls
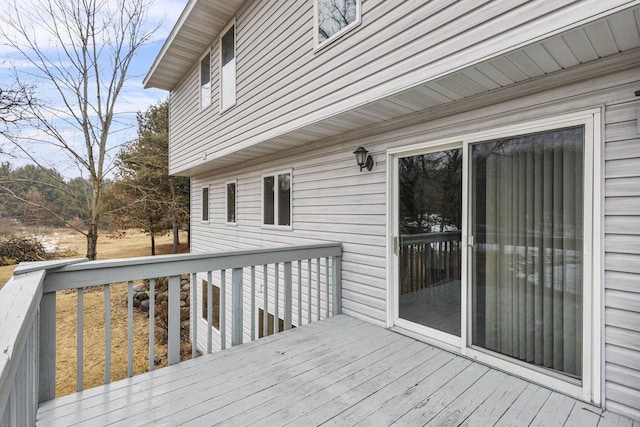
(363, 158)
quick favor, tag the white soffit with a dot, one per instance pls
(200, 22)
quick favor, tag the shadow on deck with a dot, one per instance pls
(339, 371)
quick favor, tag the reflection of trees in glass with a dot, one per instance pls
(431, 192)
(334, 15)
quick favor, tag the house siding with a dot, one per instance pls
(283, 84)
(333, 201)
(622, 256)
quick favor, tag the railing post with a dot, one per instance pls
(47, 348)
(174, 320)
(337, 285)
(237, 311)
(287, 296)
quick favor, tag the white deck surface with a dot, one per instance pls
(340, 371)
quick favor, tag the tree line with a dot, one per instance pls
(140, 195)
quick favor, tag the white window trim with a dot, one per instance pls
(205, 107)
(208, 188)
(317, 45)
(592, 377)
(275, 200)
(232, 23)
(226, 203)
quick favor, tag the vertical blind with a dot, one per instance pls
(527, 219)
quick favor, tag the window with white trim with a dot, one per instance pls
(276, 199)
(231, 203)
(205, 203)
(228, 68)
(333, 18)
(205, 80)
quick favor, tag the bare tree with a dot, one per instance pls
(80, 50)
(16, 101)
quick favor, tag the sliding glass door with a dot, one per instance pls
(527, 222)
(494, 248)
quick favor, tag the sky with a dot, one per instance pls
(132, 98)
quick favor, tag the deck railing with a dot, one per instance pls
(427, 259)
(300, 280)
(19, 303)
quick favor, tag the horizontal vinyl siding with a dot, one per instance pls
(622, 258)
(282, 83)
(333, 201)
(317, 217)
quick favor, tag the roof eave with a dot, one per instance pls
(149, 80)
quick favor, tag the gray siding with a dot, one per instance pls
(283, 84)
(333, 201)
(622, 257)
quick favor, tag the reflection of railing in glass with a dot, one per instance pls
(429, 259)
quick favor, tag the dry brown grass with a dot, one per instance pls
(133, 244)
(5, 274)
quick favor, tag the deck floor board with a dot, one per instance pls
(339, 371)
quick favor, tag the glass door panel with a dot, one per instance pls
(527, 223)
(430, 224)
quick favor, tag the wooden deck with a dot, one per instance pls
(340, 371)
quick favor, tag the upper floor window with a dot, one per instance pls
(228, 68)
(205, 80)
(276, 199)
(334, 17)
(232, 203)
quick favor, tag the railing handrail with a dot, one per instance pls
(82, 273)
(38, 322)
(444, 236)
(19, 302)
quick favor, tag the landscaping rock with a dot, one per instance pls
(144, 304)
(139, 288)
(186, 287)
(142, 296)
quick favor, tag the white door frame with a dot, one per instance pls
(590, 388)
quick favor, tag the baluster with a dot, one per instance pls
(210, 312)
(412, 284)
(299, 293)
(318, 304)
(253, 302)
(80, 339)
(425, 266)
(193, 301)
(237, 306)
(265, 311)
(309, 290)
(174, 320)
(223, 305)
(288, 301)
(326, 274)
(152, 323)
(107, 333)
(337, 285)
(47, 347)
(276, 299)
(130, 328)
